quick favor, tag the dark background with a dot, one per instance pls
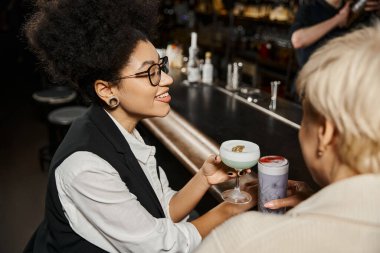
(22, 132)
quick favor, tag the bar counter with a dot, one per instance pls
(204, 116)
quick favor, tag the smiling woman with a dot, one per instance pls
(141, 91)
(105, 191)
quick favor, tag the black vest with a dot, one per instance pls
(94, 132)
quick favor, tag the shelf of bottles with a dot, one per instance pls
(280, 12)
(254, 31)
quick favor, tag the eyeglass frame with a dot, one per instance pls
(162, 64)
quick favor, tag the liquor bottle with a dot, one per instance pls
(193, 71)
(207, 71)
(357, 9)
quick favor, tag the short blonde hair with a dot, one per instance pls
(341, 82)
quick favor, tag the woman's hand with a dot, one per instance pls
(216, 172)
(250, 187)
(297, 192)
(343, 15)
(372, 5)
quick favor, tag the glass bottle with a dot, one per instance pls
(207, 71)
(193, 71)
(357, 9)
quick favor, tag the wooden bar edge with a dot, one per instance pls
(189, 145)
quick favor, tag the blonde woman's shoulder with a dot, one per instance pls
(237, 233)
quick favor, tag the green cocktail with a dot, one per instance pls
(237, 165)
(239, 155)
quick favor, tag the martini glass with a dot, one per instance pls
(239, 155)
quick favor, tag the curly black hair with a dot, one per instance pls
(80, 41)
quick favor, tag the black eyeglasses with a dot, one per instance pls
(153, 72)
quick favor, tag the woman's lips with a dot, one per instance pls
(164, 97)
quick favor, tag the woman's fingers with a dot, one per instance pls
(372, 5)
(285, 202)
(231, 174)
(299, 186)
(290, 192)
(244, 172)
(296, 184)
(213, 159)
(297, 192)
(240, 173)
(253, 183)
(252, 188)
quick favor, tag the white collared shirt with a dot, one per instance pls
(101, 209)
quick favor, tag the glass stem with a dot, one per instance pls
(237, 185)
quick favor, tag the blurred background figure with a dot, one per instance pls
(317, 21)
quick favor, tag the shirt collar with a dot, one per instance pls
(136, 142)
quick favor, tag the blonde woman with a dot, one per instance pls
(340, 141)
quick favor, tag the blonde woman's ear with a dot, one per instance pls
(326, 134)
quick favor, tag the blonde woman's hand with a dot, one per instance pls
(216, 172)
(297, 192)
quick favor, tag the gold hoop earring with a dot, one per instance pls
(113, 102)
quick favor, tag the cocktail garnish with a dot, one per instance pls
(238, 148)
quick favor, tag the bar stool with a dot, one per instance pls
(59, 121)
(53, 97)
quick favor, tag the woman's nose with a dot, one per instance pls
(166, 79)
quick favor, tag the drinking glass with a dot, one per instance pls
(239, 155)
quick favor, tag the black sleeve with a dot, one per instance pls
(300, 20)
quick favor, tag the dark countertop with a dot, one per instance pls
(222, 115)
(286, 109)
